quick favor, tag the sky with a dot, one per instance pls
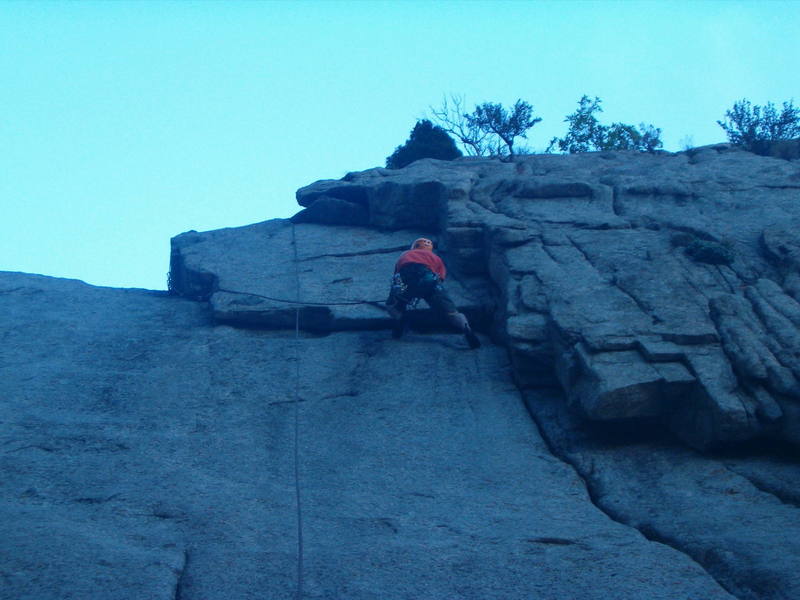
(124, 124)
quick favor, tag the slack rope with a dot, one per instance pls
(300, 549)
(378, 303)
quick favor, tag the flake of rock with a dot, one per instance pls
(414, 197)
(622, 385)
(532, 327)
(779, 300)
(782, 246)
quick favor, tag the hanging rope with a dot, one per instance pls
(300, 550)
(296, 450)
(378, 303)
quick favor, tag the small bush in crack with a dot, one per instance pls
(681, 239)
(712, 253)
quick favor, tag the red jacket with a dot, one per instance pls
(422, 257)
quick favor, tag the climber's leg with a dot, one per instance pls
(441, 302)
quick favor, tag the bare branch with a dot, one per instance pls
(452, 118)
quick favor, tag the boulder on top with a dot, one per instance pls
(411, 198)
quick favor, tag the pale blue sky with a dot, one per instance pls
(124, 124)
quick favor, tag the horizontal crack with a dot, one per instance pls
(328, 397)
(349, 254)
(781, 187)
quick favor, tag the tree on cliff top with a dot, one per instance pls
(426, 141)
(586, 134)
(753, 127)
(490, 129)
(494, 120)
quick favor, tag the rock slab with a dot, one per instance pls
(148, 453)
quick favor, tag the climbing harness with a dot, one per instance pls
(399, 293)
(399, 288)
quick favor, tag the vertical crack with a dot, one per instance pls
(641, 305)
(649, 533)
(583, 253)
(180, 582)
(616, 202)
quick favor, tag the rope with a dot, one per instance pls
(300, 550)
(296, 450)
(378, 303)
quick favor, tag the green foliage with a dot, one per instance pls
(753, 127)
(493, 119)
(586, 134)
(490, 130)
(703, 250)
(426, 141)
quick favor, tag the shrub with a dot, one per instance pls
(426, 141)
(490, 129)
(754, 127)
(586, 134)
(707, 251)
(507, 126)
(681, 239)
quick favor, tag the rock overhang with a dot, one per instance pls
(338, 276)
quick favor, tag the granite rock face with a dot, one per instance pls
(148, 452)
(658, 287)
(734, 513)
(632, 432)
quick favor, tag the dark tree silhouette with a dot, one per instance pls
(426, 141)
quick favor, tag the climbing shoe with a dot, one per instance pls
(471, 338)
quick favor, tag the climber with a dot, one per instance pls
(419, 273)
